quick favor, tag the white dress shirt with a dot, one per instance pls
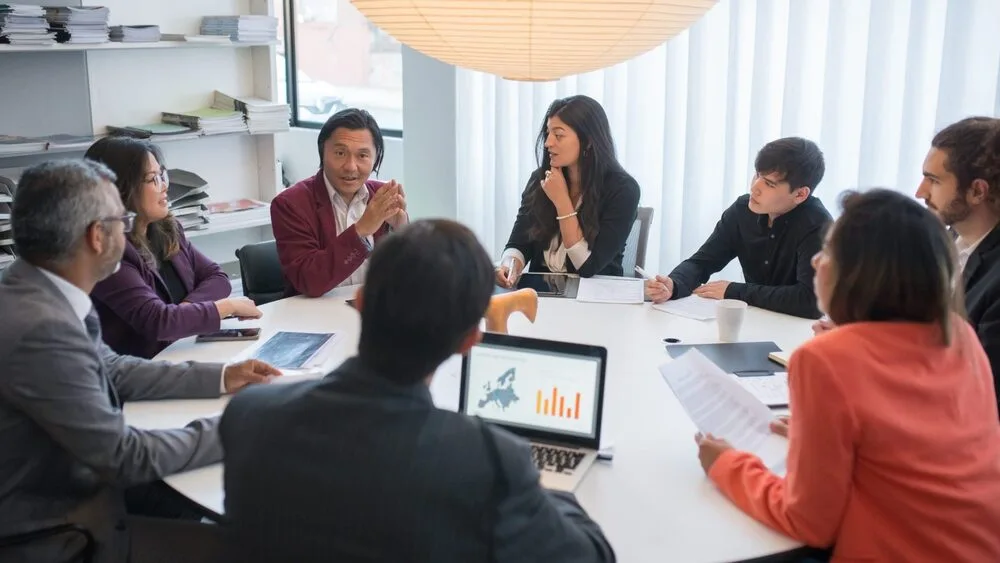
(555, 255)
(346, 214)
(965, 250)
(81, 304)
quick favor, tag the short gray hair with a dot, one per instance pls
(54, 203)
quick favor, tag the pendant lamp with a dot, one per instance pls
(533, 40)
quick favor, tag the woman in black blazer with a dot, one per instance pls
(579, 205)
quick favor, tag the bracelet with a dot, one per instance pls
(558, 218)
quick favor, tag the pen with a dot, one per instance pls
(643, 273)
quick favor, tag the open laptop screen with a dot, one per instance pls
(536, 388)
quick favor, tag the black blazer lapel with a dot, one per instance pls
(985, 248)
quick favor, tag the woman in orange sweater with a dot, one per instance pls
(894, 444)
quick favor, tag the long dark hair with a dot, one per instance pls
(894, 261)
(353, 119)
(126, 157)
(597, 158)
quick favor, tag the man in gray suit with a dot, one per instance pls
(361, 466)
(66, 455)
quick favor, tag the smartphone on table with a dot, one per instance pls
(229, 334)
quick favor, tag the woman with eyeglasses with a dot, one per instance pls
(165, 289)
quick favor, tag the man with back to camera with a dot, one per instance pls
(774, 231)
(66, 454)
(961, 185)
(361, 466)
(326, 226)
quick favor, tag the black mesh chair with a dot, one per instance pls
(260, 272)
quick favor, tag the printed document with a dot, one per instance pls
(610, 289)
(692, 307)
(719, 405)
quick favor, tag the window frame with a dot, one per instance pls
(291, 75)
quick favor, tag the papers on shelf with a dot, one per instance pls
(609, 289)
(719, 405)
(692, 307)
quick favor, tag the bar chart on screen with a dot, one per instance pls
(554, 404)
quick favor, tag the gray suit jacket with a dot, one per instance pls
(66, 454)
(355, 468)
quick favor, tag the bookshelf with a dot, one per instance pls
(67, 48)
(81, 89)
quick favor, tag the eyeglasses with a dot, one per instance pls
(162, 178)
(128, 220)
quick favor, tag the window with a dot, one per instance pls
(339, 60)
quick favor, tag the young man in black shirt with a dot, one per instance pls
(774, 231)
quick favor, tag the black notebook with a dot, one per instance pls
(744, 359)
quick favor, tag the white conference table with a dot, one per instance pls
(652, 500)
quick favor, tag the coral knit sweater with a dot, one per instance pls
(894, 448)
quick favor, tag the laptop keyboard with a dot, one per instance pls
(558, 460)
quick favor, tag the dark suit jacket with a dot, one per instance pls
(314, 259)
(66, 453)
(356, 468)
(137, 315)
(617, 206)
(982, 298)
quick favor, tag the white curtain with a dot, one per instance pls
(870, 81)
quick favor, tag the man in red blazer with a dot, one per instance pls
(327, 225)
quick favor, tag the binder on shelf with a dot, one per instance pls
(153, 131)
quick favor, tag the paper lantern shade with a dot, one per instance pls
(533, 40)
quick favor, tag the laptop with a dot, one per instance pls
(551, 393)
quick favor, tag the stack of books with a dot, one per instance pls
(262, 116)
(21, 24)
(251, 29)
(135, 33)
(211, 121)
(6, 238)
(82, 25)
(184, 197)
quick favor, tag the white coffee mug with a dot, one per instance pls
(729, 315)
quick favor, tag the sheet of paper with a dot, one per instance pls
(691, 307)
(772, 390)
(609, 289)
(719, 405)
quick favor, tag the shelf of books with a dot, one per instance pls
(80, 99)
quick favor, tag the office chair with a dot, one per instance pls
(19, 547)
(260, 272)
(635, 245)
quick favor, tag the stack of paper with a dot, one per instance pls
(719, 405)
(81, 25)
(21, 24)
(211, 121)
(185, 197)
(262, 116)
(254, 28)
(135, 33)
